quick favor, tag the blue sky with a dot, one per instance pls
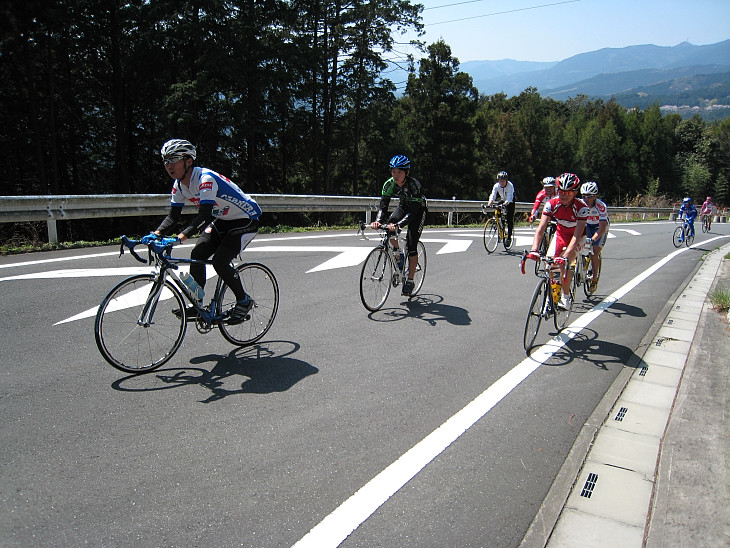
(553, 30)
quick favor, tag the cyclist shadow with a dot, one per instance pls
(265, 367)
(604, 355)
(429, 308)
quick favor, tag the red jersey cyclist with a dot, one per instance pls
(597, 224)
(708, 208)
(571, 215)
(547, 193)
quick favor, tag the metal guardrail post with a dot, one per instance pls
(52, 231)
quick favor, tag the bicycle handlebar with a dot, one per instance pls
(383, 229)
(158, 247)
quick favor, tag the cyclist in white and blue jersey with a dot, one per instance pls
(227, 216)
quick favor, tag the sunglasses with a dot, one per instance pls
(172, 160)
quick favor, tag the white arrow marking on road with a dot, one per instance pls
(450, 246)
(83, 273)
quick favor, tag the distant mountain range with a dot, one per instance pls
(685, 78)
(628, 67)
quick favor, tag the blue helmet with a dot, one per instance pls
(400, 162)
(687, 200)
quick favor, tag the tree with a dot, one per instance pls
(434, 121)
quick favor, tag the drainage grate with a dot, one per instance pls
(621, 414)
(643, 371)
(589, 486)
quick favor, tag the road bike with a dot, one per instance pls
(706, 221)
(386, 267)
(545, 299)
(142, 321)
(495, 229)
(582, 270)
(682, 235)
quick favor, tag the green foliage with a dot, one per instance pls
(295, 97)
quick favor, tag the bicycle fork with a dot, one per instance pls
(150, 305)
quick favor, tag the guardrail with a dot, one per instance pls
(71, 207)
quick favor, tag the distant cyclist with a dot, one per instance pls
(227, 216)
(708, 208)
(504, 191)
(571, 215)
(597, 224)
(547, 193)
(411, 211)
(689, 212)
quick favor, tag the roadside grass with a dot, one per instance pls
(720, 299)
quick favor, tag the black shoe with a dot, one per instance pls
(408, 286)
(239, 313)
(190, 312)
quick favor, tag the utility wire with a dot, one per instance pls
(491, 14)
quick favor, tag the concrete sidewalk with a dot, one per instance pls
(651, 466)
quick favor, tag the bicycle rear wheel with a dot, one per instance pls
(134, 345)
(678, 236)
(491, 235)
(562, 314)
(538, 307)
(260, 284)
(688, 240)
(375, 279)
(420, 273)
(590, 286)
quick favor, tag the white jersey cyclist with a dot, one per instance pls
(597, 214)
(209, 187)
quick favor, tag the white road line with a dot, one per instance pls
(347, 517)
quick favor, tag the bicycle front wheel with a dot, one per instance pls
(538, 306)
(375, 279)
(678, 236)
(420, 273)
(491, 235)
(562, 314)
(138, 330)
(706, 224)
(261, 286)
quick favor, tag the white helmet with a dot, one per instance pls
(589, 189)
(177, 147)
(548, 181)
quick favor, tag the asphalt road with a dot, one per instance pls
(390, 427)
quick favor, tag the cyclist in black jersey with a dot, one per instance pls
(411, 211)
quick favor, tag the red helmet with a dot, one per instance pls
(568, 181)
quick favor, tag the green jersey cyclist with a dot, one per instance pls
(411, 211)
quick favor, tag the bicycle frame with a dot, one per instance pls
(387, 244)
(165, 266)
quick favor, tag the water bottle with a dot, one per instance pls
(556, 290)
(401, 260)
(193, 286)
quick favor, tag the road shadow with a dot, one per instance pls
(428, 308)
(587, 346)
(264, 368)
